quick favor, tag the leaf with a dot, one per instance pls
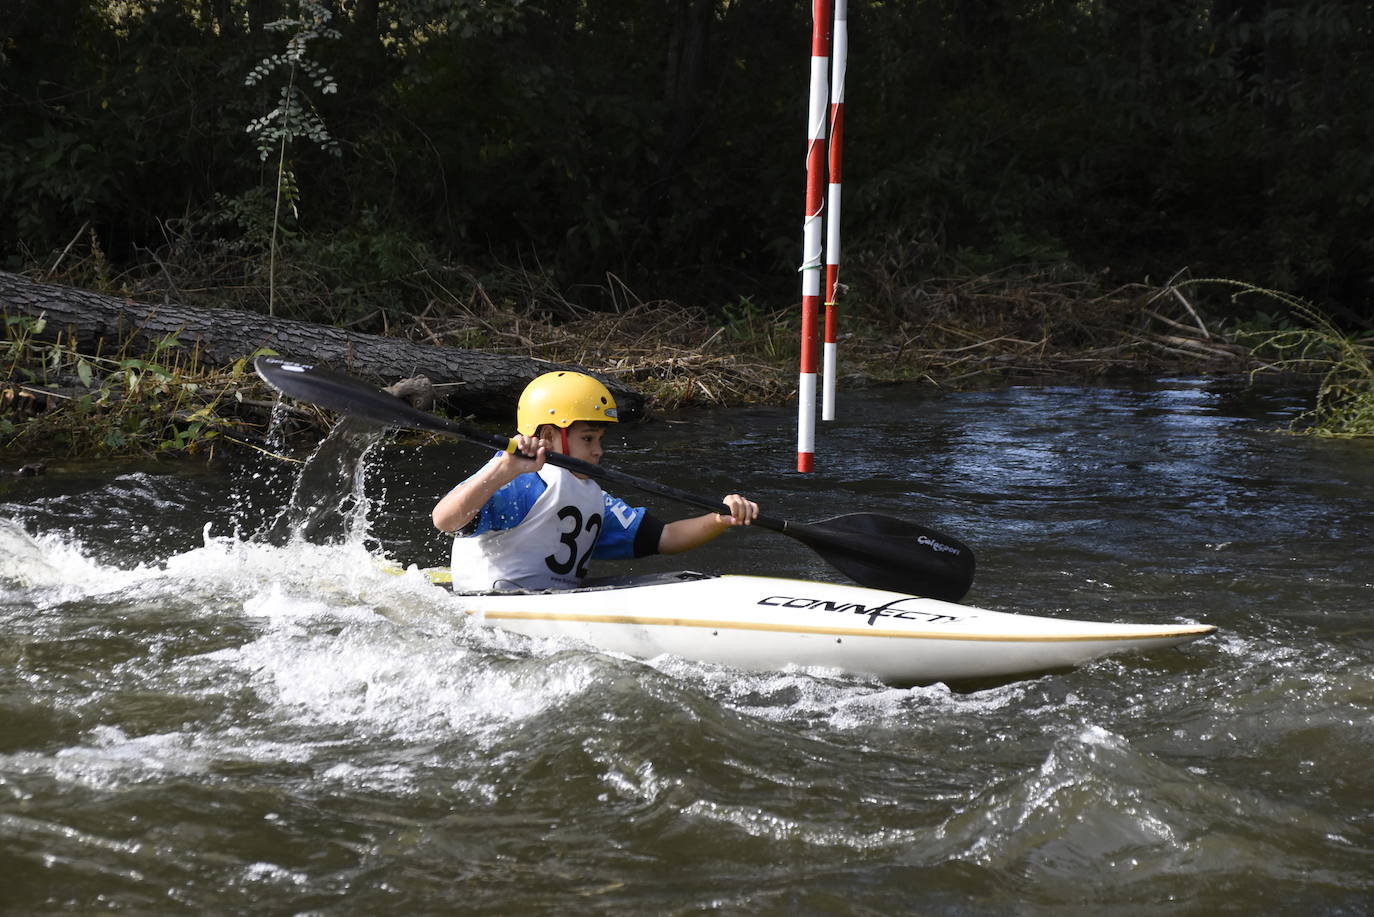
(83, 372)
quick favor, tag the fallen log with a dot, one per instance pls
(471, 382)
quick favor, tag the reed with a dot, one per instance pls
(1310, 342)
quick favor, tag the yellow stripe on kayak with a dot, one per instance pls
(1200, 630)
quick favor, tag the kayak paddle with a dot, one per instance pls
(878, 551)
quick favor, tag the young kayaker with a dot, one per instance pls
(524, 524)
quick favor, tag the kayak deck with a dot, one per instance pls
(768, 623)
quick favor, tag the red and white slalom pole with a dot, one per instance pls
(812, 241)
(839, 60)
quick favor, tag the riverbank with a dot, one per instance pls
(953, 333)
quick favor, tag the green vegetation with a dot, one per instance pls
(58, 401)
(294, 116)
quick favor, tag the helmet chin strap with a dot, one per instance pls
(563, 432)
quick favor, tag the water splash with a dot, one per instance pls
(329, 501)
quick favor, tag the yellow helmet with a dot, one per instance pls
(562, 399)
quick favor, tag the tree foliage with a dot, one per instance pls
(662, 141)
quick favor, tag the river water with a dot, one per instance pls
(202, 713)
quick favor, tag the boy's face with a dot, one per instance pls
(584, 440)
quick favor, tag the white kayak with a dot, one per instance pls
(766, 623)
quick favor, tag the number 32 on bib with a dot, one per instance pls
(577, 540)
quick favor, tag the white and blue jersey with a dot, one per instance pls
(541, 530)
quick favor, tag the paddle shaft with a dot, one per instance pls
(852, 546)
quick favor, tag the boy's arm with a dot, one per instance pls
(685, 534)
(462, 504)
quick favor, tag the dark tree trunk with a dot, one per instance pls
(487, 384)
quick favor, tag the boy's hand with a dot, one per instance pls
(742, 511)
(528, 449)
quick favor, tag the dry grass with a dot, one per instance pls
(951, 332)
(676, 355)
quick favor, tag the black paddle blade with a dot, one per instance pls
(326, 388)
(883, 552)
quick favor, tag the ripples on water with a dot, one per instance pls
(217, 721)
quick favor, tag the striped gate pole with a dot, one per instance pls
(839, 60)
(812, 243)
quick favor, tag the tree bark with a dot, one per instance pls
(488, 385)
